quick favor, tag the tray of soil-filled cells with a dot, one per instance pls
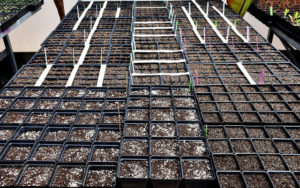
(246, 104)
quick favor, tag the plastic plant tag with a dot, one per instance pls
(45, 50)
(271, 11)
(261, 76)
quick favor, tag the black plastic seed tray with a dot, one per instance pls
(16, 11)
(275, 20)
(241, 103)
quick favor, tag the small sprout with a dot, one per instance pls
(206, 130)
(216, 23)
(234, 24)
(196, 24)
(295, 18)
(286, 11)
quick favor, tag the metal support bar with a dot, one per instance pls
(10, 54)
(288, 50)
(270, 35)
(3, 55)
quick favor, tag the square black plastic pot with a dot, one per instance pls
(132, 182)
(99, 167)
(166, 183)
(205, 183)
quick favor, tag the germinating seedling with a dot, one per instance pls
(295, 19)
(206, 130)
(286, 11)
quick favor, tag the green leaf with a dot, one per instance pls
(286, 11)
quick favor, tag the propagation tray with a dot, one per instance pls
(152, 94)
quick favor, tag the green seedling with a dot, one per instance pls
(176, 25)
(206, 130)
(234, 24)
(286, 11)
(196, 24)
(216, 23)
(295, 18)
